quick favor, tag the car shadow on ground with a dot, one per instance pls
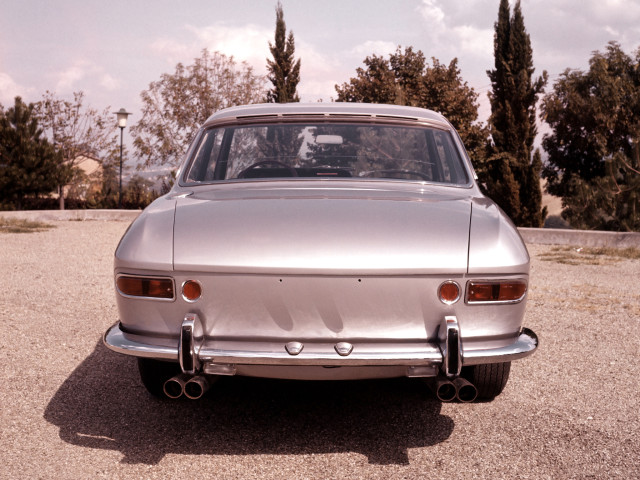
(103, 405)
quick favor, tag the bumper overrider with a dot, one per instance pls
(427, 359)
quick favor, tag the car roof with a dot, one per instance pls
(330, 109)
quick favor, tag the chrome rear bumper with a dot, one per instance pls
(420, 359)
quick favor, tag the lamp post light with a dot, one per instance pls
(122, 115)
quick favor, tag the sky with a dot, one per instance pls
(111, 50)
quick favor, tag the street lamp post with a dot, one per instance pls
(122, 115)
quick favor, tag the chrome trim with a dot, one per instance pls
(343, 349)
(179, 195)
(191, 338)
(429, 355)
(149, 277)
(217, 361)
(182, 291)
(197, 386)
(218, 369)
(178, 382)
(451, 347)
(496, 302)
(450, 282)
(137, 345)
(466, 392)
(442, 388)
(294, 348)
(422, 371)
(526, 343)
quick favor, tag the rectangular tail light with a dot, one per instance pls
(498, 291)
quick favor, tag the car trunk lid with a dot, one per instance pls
(325, 231)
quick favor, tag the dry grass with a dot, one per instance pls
(571, 255)
(18, 225)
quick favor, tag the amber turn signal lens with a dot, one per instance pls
(145, 287)
(191, 290)
(449, 292)
(504, 291)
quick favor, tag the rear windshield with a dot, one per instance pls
(325, 151)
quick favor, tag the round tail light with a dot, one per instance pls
(449, 292)
(191, 290)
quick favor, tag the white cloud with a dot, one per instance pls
(9, 89)
(67, 79)
(172, 51)
(475, 41)
(611, 31)
(449, 25)
(373, 47)
(432, 13)
(108, 82)
(248, 43)
(613, 11)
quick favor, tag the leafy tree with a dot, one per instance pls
(284, 70)
(174, 107)
(594, 150)
(405, 78)
(138, 193)
(76, 130)
(513, 120)
(29, 164)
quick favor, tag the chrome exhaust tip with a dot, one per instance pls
(466, 392)
(174, 387)
(444, 389)
(197, 386)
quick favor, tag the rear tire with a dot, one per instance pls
(489, 379)
(154, 373)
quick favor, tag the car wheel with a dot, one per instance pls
(154, 373)
(489, 379)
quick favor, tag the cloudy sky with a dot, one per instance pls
(113, 50)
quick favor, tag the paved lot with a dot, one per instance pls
(71, 409)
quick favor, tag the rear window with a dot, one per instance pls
(325, 151)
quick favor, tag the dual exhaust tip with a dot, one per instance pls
(459, 389)
(187, 385)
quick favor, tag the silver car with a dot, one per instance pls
(323, 242)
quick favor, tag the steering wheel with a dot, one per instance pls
(293, 171)
(400, 171)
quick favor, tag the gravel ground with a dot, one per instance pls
(71, 409)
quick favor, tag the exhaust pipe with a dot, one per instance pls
(174, 387)
(197, 386)
(444, 389)
(466, 392)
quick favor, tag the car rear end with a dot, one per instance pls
(352, 270)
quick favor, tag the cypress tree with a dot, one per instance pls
(513, 117)
(284, 70)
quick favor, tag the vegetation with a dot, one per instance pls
(405, 78)
(511, 174)
(571, 255)
(76, 131)
(594, 147)
(30, 165)
(18, 225)
(284, 70)
(174, 107)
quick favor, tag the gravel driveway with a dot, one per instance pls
(71, 409)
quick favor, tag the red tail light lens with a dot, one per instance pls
(449, 292)
(504, 291)
(191, 290)
(145, 287)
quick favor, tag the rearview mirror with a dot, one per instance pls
(329, 140)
